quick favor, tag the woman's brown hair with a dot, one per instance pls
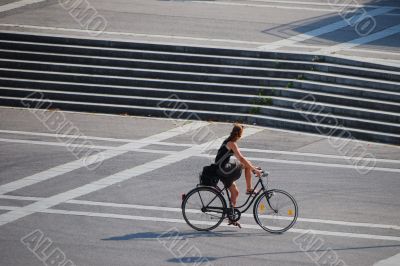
(236, 132)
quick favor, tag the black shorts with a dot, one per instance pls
(230, 172)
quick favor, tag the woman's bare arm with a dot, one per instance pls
(234, 147)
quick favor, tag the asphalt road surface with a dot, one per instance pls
(123, 207)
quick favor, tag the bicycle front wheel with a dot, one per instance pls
(275, 211)
(203, 208)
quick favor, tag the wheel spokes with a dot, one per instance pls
(276, 211)
(203, 209)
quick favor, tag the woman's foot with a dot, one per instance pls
(251, 191)
(234, 223)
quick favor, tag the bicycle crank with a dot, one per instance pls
(235, 216)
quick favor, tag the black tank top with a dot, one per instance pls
(223, 154)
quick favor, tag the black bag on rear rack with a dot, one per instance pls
(208, 176)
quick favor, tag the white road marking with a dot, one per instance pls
(172, 220)
(266, 5)
(296, 5)
(331, 4)
(115, 178)
(20, 197)
(53, 135)
(379, 169)
(382, 169)
(307, 154)
(107, 154)
(305, 3)
(362, 40)
(132, 34)
(123, 148)
(322, 30)
(18, 4)
(126, 148)
(163, 143)
(392, 261)
(179, 210)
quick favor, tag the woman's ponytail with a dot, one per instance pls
(236, 132)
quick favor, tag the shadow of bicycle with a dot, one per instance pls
(184, 235)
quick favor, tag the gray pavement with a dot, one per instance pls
(355, 215)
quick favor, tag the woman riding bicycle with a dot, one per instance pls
(230, 169)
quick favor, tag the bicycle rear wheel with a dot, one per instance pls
(275, 211)
(203, 208)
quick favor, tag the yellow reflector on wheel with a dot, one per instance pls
(262, 207)
(290, 212)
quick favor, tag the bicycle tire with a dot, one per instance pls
(203, 193)
(285, 215)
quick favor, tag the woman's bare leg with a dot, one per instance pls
(247, 174)
(234, 193)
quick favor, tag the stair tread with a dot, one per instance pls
(223, 113)
(231, 94)
(202, 102)
(197, 54)
(169, 62)
(190, 73)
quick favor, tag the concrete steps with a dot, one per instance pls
(302, 74)
(210, 95)
(293, 91)
(215, 105)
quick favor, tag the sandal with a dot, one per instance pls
(251, 191)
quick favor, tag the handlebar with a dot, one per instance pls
(263, 173)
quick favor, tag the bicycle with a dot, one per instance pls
(274, 210)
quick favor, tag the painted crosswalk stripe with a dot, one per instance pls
(104, 155)
(181, 221)
(123, 148)
(86, 137)
(179, 210)
(132, 34)
(334, 165)
(162, 143)
(322, 30)
(18, 4)
(266, 5)
(324, 3)
(165, 143)
(127, 148)
(362, 40)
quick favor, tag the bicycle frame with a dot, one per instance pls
(252, 197)
(246, 205)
